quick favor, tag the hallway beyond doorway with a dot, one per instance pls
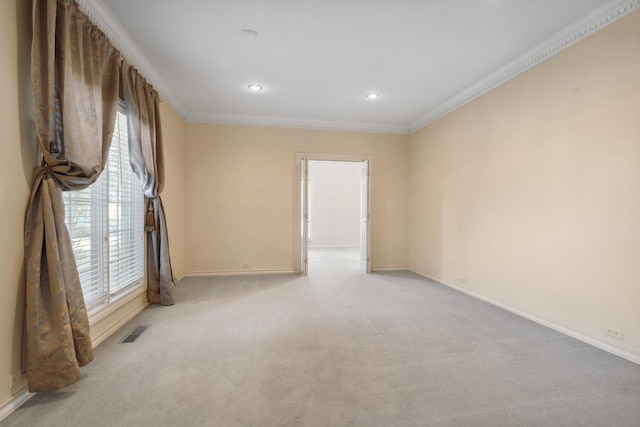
(309, 198)
(334, 259)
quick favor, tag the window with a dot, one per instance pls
(105, 222)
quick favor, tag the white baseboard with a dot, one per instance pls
(238, 273)
(627, 354)
(381, 269)
(16, 401)
(179, 277)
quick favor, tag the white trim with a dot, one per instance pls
(625, 353)
(579, 30)
(334, 157)
(179, 278)
(14, 403)
(284, 122)
(383, 269)
(97, 340)
(335, 247)
(237, 273)
(100, 312)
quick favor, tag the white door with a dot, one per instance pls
(365, 259)
(304, 215)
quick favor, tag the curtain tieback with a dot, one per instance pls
(150, 220)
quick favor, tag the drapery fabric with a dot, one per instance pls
(147, 160)
(75, 77)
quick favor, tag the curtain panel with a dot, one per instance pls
(147, 160)
(77, 77)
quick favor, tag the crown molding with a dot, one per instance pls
(242, 120)
(102, 18)
(586, 26)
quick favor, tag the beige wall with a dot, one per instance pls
(240, 195)
(530, 195)
(16, 164)
(173, 195)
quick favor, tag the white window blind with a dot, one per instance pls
(105, 222)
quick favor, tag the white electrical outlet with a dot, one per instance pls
(614, 333)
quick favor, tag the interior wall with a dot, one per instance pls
(173, 195)
(16, 166)
(530, 195)
(335, 206)
(241, 186)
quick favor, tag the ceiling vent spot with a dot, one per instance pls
(250, 34)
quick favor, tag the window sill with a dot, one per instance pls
(102, 311)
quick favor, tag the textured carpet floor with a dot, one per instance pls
(339, 348)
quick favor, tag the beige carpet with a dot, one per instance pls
(340, 348)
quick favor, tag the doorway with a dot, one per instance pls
(333, 212)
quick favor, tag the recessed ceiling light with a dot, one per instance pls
(255, 87)
(371, 96)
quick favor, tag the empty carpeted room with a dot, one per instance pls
(172, 256)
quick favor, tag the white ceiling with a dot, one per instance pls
(317, 59)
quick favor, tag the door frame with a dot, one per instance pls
(301, 189)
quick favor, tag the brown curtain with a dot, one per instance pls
(147, 160)
(75, 79)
